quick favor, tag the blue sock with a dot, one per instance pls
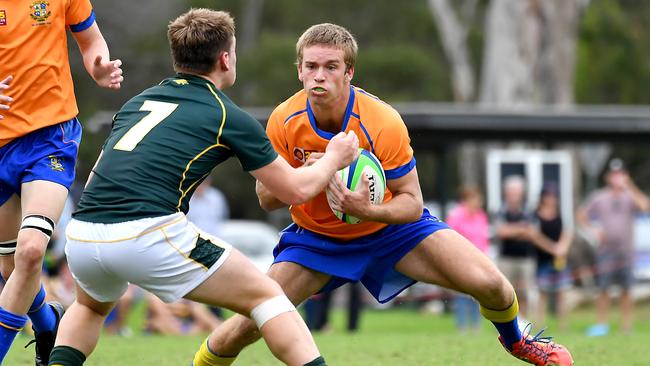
(41, 314)
(10, 325)
(509, 332)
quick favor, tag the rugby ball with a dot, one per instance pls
(366, 164)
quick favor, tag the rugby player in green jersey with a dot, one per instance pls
(130, 226)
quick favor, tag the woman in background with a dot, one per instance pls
(553, 275)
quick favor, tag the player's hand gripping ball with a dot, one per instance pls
(367, 164)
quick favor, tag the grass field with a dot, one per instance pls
(388, 337)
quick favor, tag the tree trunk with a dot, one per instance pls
(530, 52)
(453, 33)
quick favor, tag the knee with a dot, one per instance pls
(30, 252)
(266, 291)
(493, 285)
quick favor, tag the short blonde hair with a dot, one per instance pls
(198, 36)
(329, 34)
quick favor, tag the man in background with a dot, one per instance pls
(609, 214)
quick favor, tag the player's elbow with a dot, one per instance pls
(416, 213)
(270, 205)
(266, 206)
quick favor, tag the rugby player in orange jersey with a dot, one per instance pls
(39, 139)
(398, 242)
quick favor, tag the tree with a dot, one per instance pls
(529, 57)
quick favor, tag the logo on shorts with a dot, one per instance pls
(40, 13)
(55, 164)
(3, 17)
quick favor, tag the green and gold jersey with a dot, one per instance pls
(164, 142)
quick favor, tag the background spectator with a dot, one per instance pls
(610, 214)
(553, 274)
(517, 253)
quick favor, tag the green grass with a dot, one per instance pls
(389, 337)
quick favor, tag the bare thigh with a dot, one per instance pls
(297, 282)
(447, 259)
(42, 197)
(238, 285)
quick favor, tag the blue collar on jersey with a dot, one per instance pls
(348, 112)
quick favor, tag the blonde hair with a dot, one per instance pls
(332, 35)
(198, 36)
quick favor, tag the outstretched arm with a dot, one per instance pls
(267, 200)
(281, 182)
(106, 72)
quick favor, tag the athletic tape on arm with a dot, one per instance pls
(271, 308)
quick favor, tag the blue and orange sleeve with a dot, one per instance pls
(79, 15)
(395, 152)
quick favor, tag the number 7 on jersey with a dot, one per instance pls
(159, 111)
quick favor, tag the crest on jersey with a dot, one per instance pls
(3, 17)
(55, 164)
(301, 154)
(40, 11)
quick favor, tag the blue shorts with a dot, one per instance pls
(49, 153)
(370, 259)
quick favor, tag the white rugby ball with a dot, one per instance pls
(367, 164)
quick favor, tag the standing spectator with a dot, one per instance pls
(208, 208)
(609, 214)
(517, 254)
(553, 241)
(470, 220)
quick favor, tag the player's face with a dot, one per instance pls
(324, 74)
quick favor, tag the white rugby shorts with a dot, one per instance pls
(167, 256)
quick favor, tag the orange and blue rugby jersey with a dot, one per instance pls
(34, 49)
(293, 132)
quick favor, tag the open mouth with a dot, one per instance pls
(319, 89)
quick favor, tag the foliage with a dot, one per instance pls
(614, 46)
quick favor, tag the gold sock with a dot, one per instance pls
(205, 357)
(502, 316)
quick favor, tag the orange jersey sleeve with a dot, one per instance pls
(294, 134)
(77, 13)
(34, 49)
